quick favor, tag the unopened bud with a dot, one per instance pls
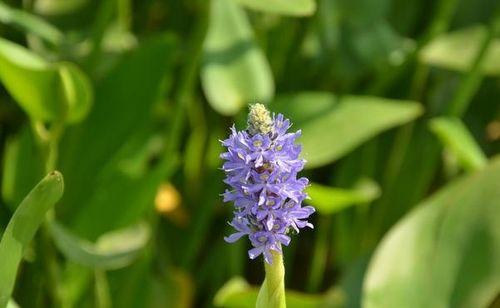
(259, 120)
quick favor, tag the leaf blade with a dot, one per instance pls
(22, 227)
(456, 138)
(234, 71)
(112, 251)
(349, 121)
(330, 200)
(46, 91)
(457, 51)
(445, 251)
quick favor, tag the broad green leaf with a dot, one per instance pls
(457, 51)
(22, 227)
(333, 126)
(46, 91)
(330, 200)
(116, 162)
(283, 7)
(22, 167)
(237, 293)
(234, 71)
(446, 252)
(111, 251)
(458, 140)
(30, 23)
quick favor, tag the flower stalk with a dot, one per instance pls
(272, 291)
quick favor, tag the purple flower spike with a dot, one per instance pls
(261, 166)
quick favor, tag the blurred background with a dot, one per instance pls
(398, 102)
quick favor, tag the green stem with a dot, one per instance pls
(103, 17)
(48, 141)
(124, 8)
(188, 76)
(472, 81)
(102, 294)
(272, 291)
(51, 266)
(441, 20)
(320, 253)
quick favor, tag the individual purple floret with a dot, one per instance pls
(261, 166)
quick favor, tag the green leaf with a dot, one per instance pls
(30, 80)
(457, 51)
(111, 251)
(332, 127)
(30, 23)
(330, 200)
(234, 71)
(237, 293)
(283, 7)
(46, 91)
(22, 227)
(446, 252)
(458, 140)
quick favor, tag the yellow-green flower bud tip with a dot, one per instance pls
(259, 120)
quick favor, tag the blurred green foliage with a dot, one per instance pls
(398, 105)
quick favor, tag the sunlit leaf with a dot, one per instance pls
(329, 200)
(23, 226)
(30, 23)
(458, 140)
(284, 7)
(30, 80)
(332, 126)
(457, 51)
(235, 71)
(111, 251)
(446, 252)
(46, 91)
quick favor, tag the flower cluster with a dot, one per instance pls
(261, 166)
